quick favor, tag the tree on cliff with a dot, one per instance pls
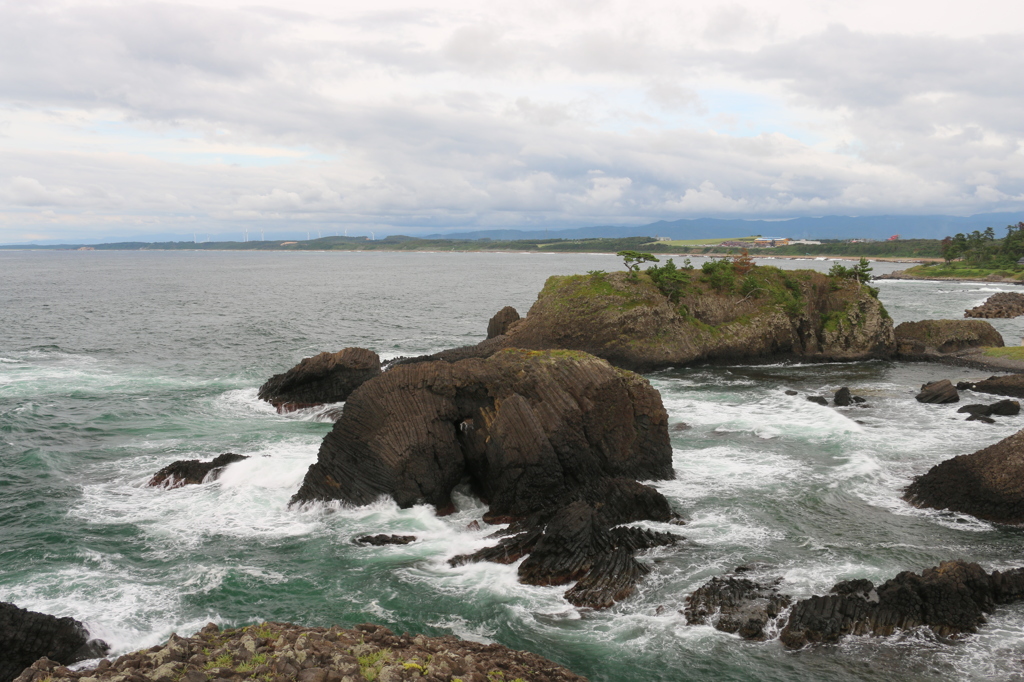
(633, 260)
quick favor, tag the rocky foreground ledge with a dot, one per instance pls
(281, 652)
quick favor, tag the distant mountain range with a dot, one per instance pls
(828, 227)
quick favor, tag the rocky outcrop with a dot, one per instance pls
(918, 340)
(280, 651)
(26, 636)
(768, 314)
(938, 392)
(193, 471)
(323, 378)
(502, 320)
(1002, 408)
(951, 599)
(1011, 385)
(736, 605)
(383, 539)
(1003, 304)
(988, 484)
(532, 432)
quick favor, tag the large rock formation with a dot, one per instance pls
(769, 313)
(951, 599)
(988, 484)
(26, 636)
(281, 651)
(502, 320)
(736, 605)
(192, 471)
(1003, 304)
(938, 392)
(930, 337)
(323, 378)
(554, 439)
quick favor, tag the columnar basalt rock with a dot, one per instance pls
(502, 320)
(541, 436)
(193, 471)
(736, 605)
(1004, 304)
(323, 378)
(988, 484)
(26, 636)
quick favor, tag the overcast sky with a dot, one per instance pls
(130, 118)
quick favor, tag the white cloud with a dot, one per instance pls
(461, 114)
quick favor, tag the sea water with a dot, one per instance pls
(114, 364)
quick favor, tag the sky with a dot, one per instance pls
(123, 118)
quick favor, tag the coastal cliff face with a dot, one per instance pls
(26, 636)
(772, 314)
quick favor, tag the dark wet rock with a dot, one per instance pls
(1004, 305)
(1010, 384)
(988, 484)
(983, 410)
(858, 399)
(792, 392)
(951, 599)
(938, 392)
(502, 320)
(307, 654)
(193, 471)
(1005, 408)
(533, 432)
(821, 400)
(26, 636)
(981, 418)
(323, 378)
(577, 543)
(842, 397)
(382, 539)
(679, 427)
(736, 605)
(929, 337)
(965, 386)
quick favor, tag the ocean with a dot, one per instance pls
(114, 364)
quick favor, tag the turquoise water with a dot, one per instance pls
(112, 365)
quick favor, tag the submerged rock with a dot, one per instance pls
(951, 600)
(930, 337)
(938, 392)
(536, 434)
(323, 378)
(281, 651)
(193, 471)
(821, 400)
(26, 636)
(736, 605)
(382, 539)
(502, 320)
(988, 484)
(1004, 304)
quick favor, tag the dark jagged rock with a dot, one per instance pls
(382, 539)
(964, 386)
(577, 543)
(736, 605)
(821, 400)
(988, 484)
(1005, 408)
(193, 471)
(938, 392)
(927, 338)
(858, 399)
(792, 392)
(534, 432)
(1004, 304)
(323, 378)
(502, 320)
(983, 410)
(679, 427)
(281, 651)
(981, 418)
(1011, 385)
(951, 599)
(26, 636)
(842, 397)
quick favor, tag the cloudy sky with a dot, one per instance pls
(134, 118)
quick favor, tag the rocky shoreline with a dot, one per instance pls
(282, 652)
